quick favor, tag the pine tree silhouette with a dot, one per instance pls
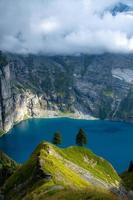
(130, 169)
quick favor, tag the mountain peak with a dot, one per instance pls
(120, 8)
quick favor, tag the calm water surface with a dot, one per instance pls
(111, 140)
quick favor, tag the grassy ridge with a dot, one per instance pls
(88, 160)
(65, 182)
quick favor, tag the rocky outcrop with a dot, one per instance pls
(80, 86)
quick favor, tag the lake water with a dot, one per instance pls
(111, 140)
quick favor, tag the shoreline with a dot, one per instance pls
(50, 115)
(53, 115)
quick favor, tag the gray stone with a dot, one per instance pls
(42, 86)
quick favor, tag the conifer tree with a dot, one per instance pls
(130, 169)
(81, 138)
(57, 139)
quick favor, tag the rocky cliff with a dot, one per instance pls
(80, 86)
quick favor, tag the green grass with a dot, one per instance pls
(54, 161)
(102, 169)
(61, 174)
(69, 194)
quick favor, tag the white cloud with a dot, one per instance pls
(64, 27)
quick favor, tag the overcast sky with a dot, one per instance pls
(64, 27)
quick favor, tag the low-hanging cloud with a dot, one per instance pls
(64, 27)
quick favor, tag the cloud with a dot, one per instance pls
(64, 27)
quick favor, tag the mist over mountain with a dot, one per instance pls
(66, 26)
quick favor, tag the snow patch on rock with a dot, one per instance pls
(123, 74)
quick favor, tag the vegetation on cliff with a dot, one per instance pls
(126, 107)
(56, 173)
(3, 60)
(127, 177)
(7, 167)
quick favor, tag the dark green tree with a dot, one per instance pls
(57, 139)
(81, 138)
(130, 169)
(3, 60)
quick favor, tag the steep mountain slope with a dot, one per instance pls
(72, 173)
(7, 167)
(78, 86)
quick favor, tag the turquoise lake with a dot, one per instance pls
(111, 140)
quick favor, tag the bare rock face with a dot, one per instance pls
(15, 105)
(44, 86)
(5, 97)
